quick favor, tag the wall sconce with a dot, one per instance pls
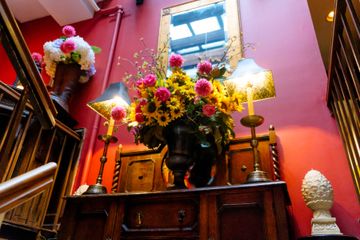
(253, 83)
(115, 95)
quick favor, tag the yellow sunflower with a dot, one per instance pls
(173, 102)
(177, 112)
(163, 118)
(149, 110)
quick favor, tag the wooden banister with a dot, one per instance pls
(26, 186)
(343, 94)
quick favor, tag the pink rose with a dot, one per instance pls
(176, 60)
(118, 113)
(163, 94)
(37, 57)
(68, 46)
(150, 80)
(204, 67)
(139, 117)
(208, 110)
(68, 31)
(203, 87)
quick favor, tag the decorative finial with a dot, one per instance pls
(318, 196)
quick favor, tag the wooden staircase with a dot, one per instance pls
(32, 135)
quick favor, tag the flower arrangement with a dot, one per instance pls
(70, 48)
(203, 102)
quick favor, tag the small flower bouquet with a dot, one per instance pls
(203, 103)
(70, 49)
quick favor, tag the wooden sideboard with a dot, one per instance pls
(246, 211)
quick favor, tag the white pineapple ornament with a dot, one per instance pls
(318, 196)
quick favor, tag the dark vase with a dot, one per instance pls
(65, 82)
(205, 156)
(181, 145)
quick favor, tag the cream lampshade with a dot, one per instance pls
(253, 83)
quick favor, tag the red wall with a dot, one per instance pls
(285, 43)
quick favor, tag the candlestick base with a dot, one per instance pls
(257, 176)
(252, 120)
(95, 189)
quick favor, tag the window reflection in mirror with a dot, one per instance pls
(201, 30)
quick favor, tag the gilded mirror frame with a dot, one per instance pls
(234, 53)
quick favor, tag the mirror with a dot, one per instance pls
(207, 29)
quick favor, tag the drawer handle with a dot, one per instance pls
(139, 219)
(243, 168)
(181, 215)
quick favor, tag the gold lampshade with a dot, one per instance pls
(115, 95)
(249, 74)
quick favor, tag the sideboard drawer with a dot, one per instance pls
(161, 217)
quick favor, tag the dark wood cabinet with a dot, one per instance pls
(247, 211)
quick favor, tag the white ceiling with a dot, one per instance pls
(63, 11)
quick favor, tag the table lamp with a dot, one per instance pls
(115, 95)
(253, 83)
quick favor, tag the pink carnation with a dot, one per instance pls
(204, 67)
(163, 94)
(139, 83)
(118, 113)
(68, 46)
(139, 117)
(176, 60)
(150, 80)
(68, 31)
(208, 110)
(203, 87)
(37, 57)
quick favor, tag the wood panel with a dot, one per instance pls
(247, 211)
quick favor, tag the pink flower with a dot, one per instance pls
(139, 117)
(139, 83)
(208, 110)
(150, 80)
(142, 103)
(203, 87)
(163, 94)
(118, 113)
(204, 67)
(68, 46)
(176, 60)
(68, 31)
(37, 57)
(197, 99)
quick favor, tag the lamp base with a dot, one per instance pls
(95, 189)
(257, 176)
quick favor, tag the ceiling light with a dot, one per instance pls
(330, 16)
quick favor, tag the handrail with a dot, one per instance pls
(343, 91)
(26, 186)
(19, 54)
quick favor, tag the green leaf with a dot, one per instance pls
(96, 49)
(75, 56)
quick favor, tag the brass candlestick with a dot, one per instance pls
(253, 121)
(98, 188)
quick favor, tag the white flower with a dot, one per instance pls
(83, 55)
